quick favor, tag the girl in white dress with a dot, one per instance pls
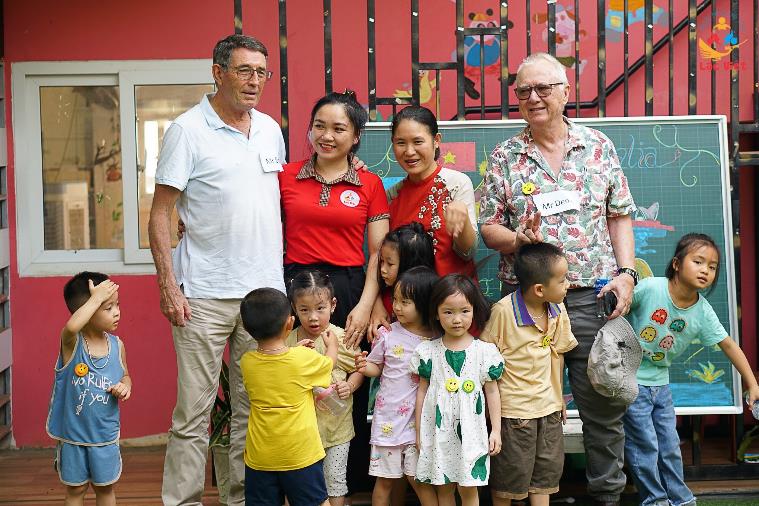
(457, 375)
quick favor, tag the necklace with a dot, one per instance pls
(272, 350)
(93, 358)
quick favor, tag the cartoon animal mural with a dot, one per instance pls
(565, 34)
(490, 49)
(427, 90)
(615, 17)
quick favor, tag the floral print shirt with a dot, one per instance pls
(517, 171)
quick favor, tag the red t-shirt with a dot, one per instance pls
(425, 202)
(325, 223)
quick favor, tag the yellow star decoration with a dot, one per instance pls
(483, 167)
(449, 158)
(398, 350)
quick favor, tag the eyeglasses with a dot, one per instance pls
(246, 73)
(543, 90)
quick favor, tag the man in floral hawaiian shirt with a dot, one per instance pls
(562, 183)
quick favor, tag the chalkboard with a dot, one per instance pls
(677, 170)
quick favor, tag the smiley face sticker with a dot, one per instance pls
(81, 369)
(468, 386)
(452, 385)
(528, 188)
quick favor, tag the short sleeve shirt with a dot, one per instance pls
(325, 221)
(518, 171)
(334, 429)
(665, 330)
(282, 429)
(531, 384)
(229, 202)
(426, 202)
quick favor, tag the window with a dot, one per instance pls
(87, 138)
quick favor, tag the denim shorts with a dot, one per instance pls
(77, 464)
(302, 487)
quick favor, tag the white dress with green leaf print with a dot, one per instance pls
(454, 438)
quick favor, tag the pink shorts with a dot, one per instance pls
(393, 461)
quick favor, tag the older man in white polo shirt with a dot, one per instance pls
(219, 165)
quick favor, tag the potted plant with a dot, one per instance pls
(218, 442)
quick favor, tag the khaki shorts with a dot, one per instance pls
(532, 457)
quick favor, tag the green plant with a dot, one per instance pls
(221, 415)
(748, 438)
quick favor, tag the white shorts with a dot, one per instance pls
(393, 461)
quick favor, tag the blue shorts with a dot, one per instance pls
(77, 464)
(302, 487)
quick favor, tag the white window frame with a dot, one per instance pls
(26, 79)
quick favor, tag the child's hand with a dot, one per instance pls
(308, 343)
(753, 395)
(103, 291)
(121, 391)
(343, 389)
(329, 338)
(494, 444)
(360, 360)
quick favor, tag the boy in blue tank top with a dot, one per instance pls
(91, 376)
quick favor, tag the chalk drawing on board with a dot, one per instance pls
(647, 226)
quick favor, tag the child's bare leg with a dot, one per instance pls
(469, 496)
(398, 495)
(336, 501)
(382, 490)
(499, 501)
(75, 494)
(424, 492)
(446, 494)
(105, 496)
(539, 499)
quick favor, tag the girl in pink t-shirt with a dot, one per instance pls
(393, 451)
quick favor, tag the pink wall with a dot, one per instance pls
(38, 30)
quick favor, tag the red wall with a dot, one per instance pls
(36, 30)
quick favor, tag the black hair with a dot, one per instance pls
(222, 53)
(452, 284)
(685, 245)
(420, 115)
(357, 115)
(416, 284)
(76, 291)
(264, 312)
(534, 263)
(311, 282)
(414, 247)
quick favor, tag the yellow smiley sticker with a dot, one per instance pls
(468, 386)
(528, 188)
(452, 385)
(81, 369)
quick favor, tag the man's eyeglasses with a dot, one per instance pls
(246, 73)
(543, 90)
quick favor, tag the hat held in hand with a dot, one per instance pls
(614, 360)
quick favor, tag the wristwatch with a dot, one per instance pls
(632, 272)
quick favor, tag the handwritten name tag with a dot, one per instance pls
(270, 163)
(556, 202)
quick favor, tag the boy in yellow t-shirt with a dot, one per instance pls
(531, 329)
(283, 452)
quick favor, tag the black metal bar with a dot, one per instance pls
(482, 30)
(482, 77)
(756, 65)
(504, 35)
(437, 94)
(601, 20)
(713, 73)
(671, 57)
(692, 78)
(393, 101)
(696, 448)
(528, 32)
(372, 70)
(626, 71)
(328, 46)
(238, 16)
(415, 51)
(551, 27)
(460, 83)
(577, 58)
(283, 85)
(649, 44)
(443, 65)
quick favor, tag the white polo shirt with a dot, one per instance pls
(229, 202)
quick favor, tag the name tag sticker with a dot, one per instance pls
(270, 163)
(556, 202)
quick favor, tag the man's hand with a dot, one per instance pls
(456, 217)
(622, 286)
(103, 291)
(121, 391)
(529, 233)
(180, 229)
(174, 305)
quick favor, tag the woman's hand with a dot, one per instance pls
(379, 318)
(456, 217)
(356, 325)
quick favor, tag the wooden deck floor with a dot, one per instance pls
(27, 478)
